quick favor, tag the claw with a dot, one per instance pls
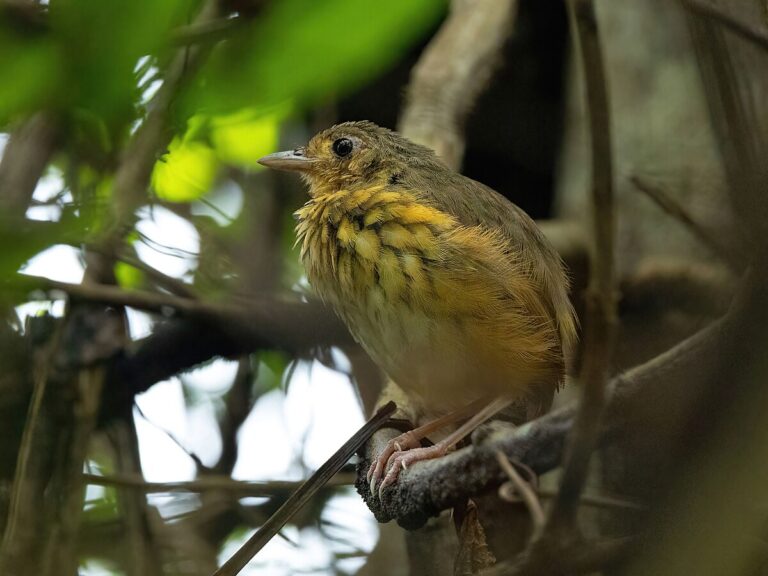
(375, 477)
(384, 469)
(389, 479)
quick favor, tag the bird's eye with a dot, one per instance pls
(342, 147)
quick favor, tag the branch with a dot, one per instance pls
(452, 72)
(284, 323)
(679, 213)
(142, 536)
(578, 558)
(23, 161)
(237, 405)
(735, 88)
(676, 379)
(204, 330)
(597, 501)
(205, 483)
(173, 285)
(747, 30)
(601, 298)
(206, 32)
(527, 494)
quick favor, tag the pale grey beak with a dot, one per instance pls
(288, 160)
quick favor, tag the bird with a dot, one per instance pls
(452, 289)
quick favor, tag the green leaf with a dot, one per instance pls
(272, 366)
(303, 51)
(128, 276)
(186, 172)
(22, 243)
(243, 137)
(103, 509)
(30, 69)
(102, 42)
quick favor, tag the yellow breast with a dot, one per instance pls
(448, 311)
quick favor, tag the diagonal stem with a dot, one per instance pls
(601, 298)
(305, 492)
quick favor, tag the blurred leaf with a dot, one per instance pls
(90, 136)
(243, 137)
(272, 366)
(188, 170)
(302, 51)
(20, 245)
(186, 173)
(102, 509)
(99, 566)
(30, 70)
(101, 42)
(128, 276)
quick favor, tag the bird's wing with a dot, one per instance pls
(475, 204)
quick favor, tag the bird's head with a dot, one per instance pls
(351, 155)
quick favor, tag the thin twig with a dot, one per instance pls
(139, 299)
(452, 72)
(214, 482)
(283, 321)
(141, 535)
(746, 30)
(679, 213)
(601, 298)
(24, 160)
(173, 285)
(201, 468)
(583, 557)
(596, 501)
(170, 283)
(734, 97)
(305, 492)
(528, 495)
(238, 402)
(206, 32)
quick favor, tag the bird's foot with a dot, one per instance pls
(406, 441)
(402, 459)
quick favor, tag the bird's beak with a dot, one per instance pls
(288, 160)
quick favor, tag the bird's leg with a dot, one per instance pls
(402, 459)
(412, 438)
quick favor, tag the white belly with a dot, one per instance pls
(426, 356)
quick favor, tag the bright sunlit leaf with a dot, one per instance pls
(128, 276)
(188, 170)
(186, 173)
(245, 136)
